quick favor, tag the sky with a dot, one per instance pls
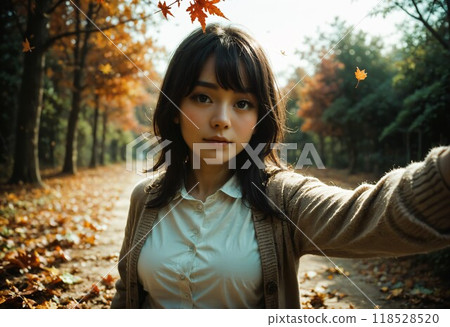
(281, 26)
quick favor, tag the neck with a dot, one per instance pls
(207, 180)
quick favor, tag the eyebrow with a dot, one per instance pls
(215, 86)
(207, 84)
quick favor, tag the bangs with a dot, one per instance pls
(234, 69)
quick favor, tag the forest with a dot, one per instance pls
(78, 83)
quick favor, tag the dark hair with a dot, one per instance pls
(234, 51)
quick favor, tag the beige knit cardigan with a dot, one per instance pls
(407, 211)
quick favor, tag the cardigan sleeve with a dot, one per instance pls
(137, 201)
(407, 211)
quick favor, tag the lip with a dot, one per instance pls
(217, 139)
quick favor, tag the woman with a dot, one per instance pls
(225, 223)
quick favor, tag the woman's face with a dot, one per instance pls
(224, 119)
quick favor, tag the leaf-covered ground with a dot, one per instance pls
(44, 231)
(59, 249)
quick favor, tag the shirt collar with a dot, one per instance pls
(231, 188)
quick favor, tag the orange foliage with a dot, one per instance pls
(116, 80)
(317, 95)
(110, 73)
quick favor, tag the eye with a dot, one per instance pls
(202, 98)
(244, 105)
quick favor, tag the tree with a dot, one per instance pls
(26, 162)
(360, 124)
(333, 107)
(434, 16)
(294, 122)
(318, 93)
(422, 83)
(113, 83)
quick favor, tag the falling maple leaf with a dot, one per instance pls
(165, 9)
(105, 69)
(26, 46)
(197, 10)
(360, 75)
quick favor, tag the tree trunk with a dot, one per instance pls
(322, 148)
(408, 148)
(26, 160)
(114, 150)
(93, 163)
(352, 156)
(419, 145)
(103, 142)
(70, 157)
(332, 160)
(80, 52)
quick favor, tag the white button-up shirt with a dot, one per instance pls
(203, 254)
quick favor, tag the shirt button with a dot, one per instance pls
(200, 206)
(192, 248)
(182, 277)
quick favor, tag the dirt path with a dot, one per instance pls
(96, 263)
(321, 285)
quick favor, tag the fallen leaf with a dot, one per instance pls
(108, 280)
(384, 289)
(94, 290)
(47, 305)
(70, 279)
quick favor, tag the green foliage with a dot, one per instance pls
(406, 92)
(423, 82)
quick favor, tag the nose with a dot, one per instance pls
(221, 117)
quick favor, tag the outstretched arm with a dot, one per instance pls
(407, 211)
